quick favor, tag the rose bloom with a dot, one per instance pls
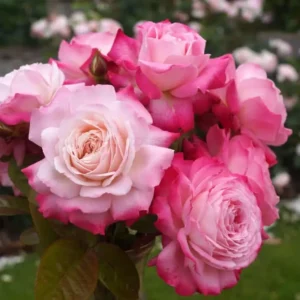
(242, 156)
(168, 49)
(252, 104)
(286, 72)
(103, 158)
(167, 62)
(210, 223)
(283, 48)
(76, 57)
(27, 88)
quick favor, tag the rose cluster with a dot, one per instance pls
(154, 125)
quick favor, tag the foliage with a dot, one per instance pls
(15, 20)
(285, 14)
(273, 276)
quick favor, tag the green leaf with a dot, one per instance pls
(66, 271)
(29, 237)
(145, 224)
(18, 178)
(117, 272)
(72, 232)
(43, 227)
(10, 205)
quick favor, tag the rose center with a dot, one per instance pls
(89, 142)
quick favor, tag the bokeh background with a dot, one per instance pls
(266, 32)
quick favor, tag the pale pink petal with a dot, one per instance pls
(33, 180)
(168, 76)
(247, 71)
(57, 183)
(147, 86)
(162, 138)
(49, 141)
(149, 165)
(129, 206)
(171, 267)
(95, 223)
(120, 186)
(50, 116)
(172, 114)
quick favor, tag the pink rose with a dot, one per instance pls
(243, 157)
(77, 57)
(210, 223)
(168, 64)
(103, 158)
(171, 55)
(255, 106)
(27, 88)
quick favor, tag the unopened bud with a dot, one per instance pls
(98, 67)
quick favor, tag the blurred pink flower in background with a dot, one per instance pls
(282, 47)
(195, 26)
(93, 25)
(81, 28)
(265, 59)
(198, 9)
(250, 9)
(77, 17)
(281, 180)
(59, 25)
(55, 25)
(290, 102)
(40, 29)
(286, 72)
(244, 55)
(181, 16)
(109, 25)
